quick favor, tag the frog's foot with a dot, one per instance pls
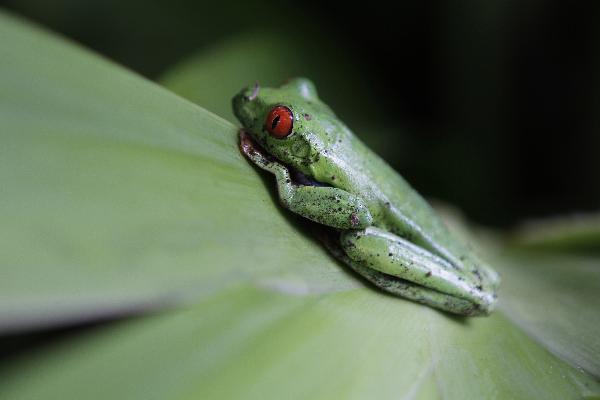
(256, 154)
(404, 269)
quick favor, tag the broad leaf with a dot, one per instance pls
(120, 196)
(255, 344)
(556, 300)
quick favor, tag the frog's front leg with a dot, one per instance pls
(323, 204)
(382, 258)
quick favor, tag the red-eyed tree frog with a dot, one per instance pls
(383, 229)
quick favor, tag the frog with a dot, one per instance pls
(378, 225)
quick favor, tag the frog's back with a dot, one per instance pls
(398, 208)
(387, 192)
(343, 161)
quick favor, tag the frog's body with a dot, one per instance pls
(388, 233)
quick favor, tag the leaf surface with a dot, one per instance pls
(119, 196)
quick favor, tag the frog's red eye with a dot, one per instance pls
(279, 122)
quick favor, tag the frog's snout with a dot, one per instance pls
(239, 100)
(240, 109)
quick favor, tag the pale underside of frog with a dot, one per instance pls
(383, 229)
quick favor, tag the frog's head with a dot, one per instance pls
(290, 122)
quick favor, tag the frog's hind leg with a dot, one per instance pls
(404, 269)
(392, 284)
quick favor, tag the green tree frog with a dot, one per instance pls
(382, 228)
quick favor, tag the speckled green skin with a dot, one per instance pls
(387, 232)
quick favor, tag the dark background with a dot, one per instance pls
(499, 98)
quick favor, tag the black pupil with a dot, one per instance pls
(275, 122)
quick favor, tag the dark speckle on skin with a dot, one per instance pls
(333, 177)
(428, 274)
(307, 117)
(389, 254)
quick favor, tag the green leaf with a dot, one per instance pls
(256, 344)
(118, 196)
(556, 300)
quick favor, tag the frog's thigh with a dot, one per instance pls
(377, 254)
